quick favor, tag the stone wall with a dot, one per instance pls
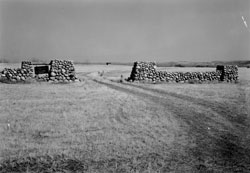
(59, 71)
(16, 75)
(143, 71)
(229, 72)
(26, 65)
(62, 70)
(146, 71)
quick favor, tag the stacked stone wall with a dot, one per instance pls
(26, 65)
(62, 70)
(59, 71)
(229, 72)
(42, 77)
(143, 70)
(15, 75)
(146, 71)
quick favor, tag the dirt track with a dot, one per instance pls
(215, 131)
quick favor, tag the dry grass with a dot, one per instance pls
(103, 126)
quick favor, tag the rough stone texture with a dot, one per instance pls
(143, 70)
(62, 70)
(229, 72)
(146, 71)
(42, 77)
(27, 65)
(18, 74)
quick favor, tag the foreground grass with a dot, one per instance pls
(85, 122)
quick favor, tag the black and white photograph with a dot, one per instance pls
(124, 86)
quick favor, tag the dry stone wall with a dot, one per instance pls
(15, 75)
(143, 71)
(59, 71)
(62, 71)
(146, 71)
(42, 77)
(27, 65)
(229, 72)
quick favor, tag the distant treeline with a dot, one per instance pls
(204, 64)
(241, 63)
(11, 60)
(182, 64)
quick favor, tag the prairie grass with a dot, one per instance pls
(101, 126)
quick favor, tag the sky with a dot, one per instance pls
(125, 30)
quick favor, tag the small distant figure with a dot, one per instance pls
(107, 63)
(121, 80)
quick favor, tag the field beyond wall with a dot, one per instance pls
(104, 125)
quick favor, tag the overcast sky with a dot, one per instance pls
(125, 30)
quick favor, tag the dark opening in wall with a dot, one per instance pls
(220, 67)
(222, 70)
(41, 70)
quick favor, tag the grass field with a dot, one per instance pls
(103, 125)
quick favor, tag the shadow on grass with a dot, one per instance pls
(222, 153)
(30, 81)
(231, 154)
(45, 163)
(61, 163)
(7, 81)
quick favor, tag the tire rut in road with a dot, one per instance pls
(229, 113)
(215, 149)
